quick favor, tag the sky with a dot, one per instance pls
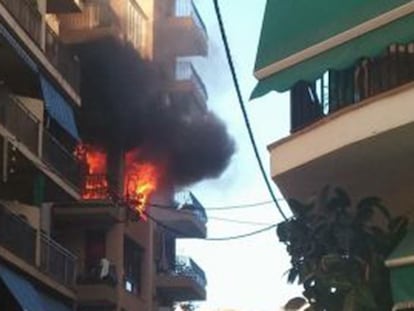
(246, 274)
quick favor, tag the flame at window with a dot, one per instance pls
(95, 184)
(141, 180)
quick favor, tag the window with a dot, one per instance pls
(137, 26)
(133, 256)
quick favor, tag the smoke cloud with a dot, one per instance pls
(124, 105)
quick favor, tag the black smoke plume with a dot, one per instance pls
(124, 107)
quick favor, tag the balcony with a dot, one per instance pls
(105, 213)
(30, 19)
(64, 6)
(188, 85)
(17, 236)
(186, 281)
(60, 57)
(28, 16)
(187, 221)
(60, 160)
(359, 139)
(35, 142)
(96, 21)
(96, 291)
(56, 261)
(22, 240)
(185, 33)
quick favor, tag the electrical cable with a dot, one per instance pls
(244, 222)
(237, 221)
(241, 222)
(227, 207)
(243, 108)
(217, 239)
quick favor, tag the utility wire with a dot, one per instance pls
(226, 207)
(228, 238)
(241, 222)
(243, 108)
(237, 221)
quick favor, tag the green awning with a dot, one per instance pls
(302, 39)
(401, 265)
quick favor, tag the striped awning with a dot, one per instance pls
(302, 39)
(58, 108)
(22, 290)
(4, 33)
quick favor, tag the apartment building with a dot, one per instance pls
(350, 75)
(73, 235)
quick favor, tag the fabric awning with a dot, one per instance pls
(24, 292)
(302, 39)
(58, 108)
(18, 48)
(401, 265)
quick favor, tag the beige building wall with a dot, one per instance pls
(30, 213)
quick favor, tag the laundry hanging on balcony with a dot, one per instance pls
(302, 39)
(401, 265)
(58, 108)
(4, 33)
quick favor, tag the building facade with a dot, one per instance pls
(76, 231)
(350, 75)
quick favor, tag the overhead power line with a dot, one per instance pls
(237, 221)
(224, 207)
(217, 239)
(241, 222)
(243, 108)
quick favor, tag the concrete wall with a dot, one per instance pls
(30, 213)
(34, 105)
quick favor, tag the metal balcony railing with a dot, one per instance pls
(95, 276)
(19, 121)
(186, 8)
(61, 160)
(185, 70)
(56, 261)
(60, 57)
(185, 266)
(95, 14)
(17, 236)
(27, 15)
(336, 89)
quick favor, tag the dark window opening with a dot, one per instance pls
(95, 250)
(133, 256)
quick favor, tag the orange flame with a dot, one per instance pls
(141, 180)
(95, 185)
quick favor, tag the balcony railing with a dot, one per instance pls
(20, 122)
(17, 236)
(95, 276)
(185, 71)
(59, 55)
(336, 89)
(95, 14)
(57, 261)
(27, 15)
(185, 266)
(61, 159)
(185, 8)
